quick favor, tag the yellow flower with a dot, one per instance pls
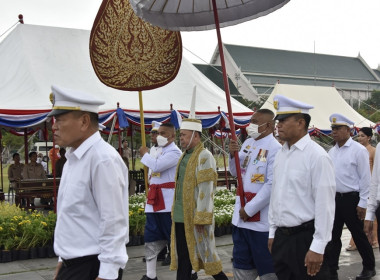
(44, 224)
(1, 228)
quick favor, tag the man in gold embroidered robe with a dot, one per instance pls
(192, 237)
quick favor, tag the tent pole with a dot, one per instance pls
(54, 172)
(240, 190)
(26, 145)
(132, 153)
(1, 162)
(143, 140)
(47, 153)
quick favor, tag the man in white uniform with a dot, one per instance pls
(353, 175)
(160, 196)
(373, 208)
(251, 257)
(301, 209)
(92, 210)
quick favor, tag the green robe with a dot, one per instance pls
(199, 183)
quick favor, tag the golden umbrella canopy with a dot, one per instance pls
(130, 54)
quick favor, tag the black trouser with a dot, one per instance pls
(86, 268)
(345, 213)
(289, 250)
(184, 265)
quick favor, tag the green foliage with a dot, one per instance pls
(12, 142)
(20, 229)
(371, 107)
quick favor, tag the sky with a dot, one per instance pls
(337, 27)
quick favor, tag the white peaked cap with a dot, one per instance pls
(65, 100)
(155, 125)
(191, 123)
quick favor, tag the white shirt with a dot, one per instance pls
(163, 171)
(374, 193)
(303, 189)
(352, 172)
(249, 152)
(92, 209)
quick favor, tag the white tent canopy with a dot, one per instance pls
(32, 58)
(326, 101)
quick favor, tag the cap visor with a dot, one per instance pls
(58, 112)
(282, 116)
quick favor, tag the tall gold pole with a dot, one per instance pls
(143, 140)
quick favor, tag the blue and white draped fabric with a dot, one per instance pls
(19, 119)
(175, 119)
(122, 118)
(22, 118)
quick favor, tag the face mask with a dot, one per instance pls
(253, 130)
(161, 141)
(39, 160)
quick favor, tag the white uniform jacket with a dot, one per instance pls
(256, 162)
(163, 171)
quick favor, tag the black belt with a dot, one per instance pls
(293, 230)
(79, 260)
(339, 194)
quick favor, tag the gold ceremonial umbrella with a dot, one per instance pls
(130, 54)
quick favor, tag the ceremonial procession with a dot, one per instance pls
(123, 157)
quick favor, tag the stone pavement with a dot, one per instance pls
(43, 269)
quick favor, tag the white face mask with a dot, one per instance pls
(161, 141)
(39, 160)
(253, 130)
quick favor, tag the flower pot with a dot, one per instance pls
(129, 244)
(23, 254)
(135, 240)
(228, 229)
(6, 256)
(15, 255)
(42, 252)
(50, 251)
(218, 231)
(33, 253)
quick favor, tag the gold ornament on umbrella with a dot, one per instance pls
(128, 53)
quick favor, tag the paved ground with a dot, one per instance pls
(41, 269)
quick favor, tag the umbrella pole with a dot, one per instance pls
(240, 189)
(143, 140)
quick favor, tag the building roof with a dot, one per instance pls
(214, 73)
(265, 67)
(262, 60)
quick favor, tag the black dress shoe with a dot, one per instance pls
(334, 275)
(147, 278)
(366, 274)
(194, 276)
(166, 261)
